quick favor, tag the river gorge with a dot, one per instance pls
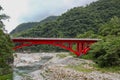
(53, 66)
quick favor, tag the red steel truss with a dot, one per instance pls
(82, 45)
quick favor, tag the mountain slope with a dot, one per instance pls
(24, 26)
(77, 20)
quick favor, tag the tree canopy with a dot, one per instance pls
(6, 57)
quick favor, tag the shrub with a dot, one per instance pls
(106, 53)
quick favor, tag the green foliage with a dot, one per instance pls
(83, 22)
(111, 28)
(107, 69)
(88, 56)
(88, 34)
(41, 48)
(100, 19)
(25, 26)
(6, 57)
(6, 77)
(107, 53)
(77, 20)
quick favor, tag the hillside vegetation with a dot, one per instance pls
(77, 20)
(106, 52)
(24, 26)
(6, 56)
(100, 19)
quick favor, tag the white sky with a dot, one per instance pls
(35, 10)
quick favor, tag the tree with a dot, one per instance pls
(111, 28)
(88, 34)
(6, 57)
(107, 53)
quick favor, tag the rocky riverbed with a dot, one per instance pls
(50, 66)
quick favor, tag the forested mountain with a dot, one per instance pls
(48, 19)
(77, 20)
(100, 19)
(24, 26)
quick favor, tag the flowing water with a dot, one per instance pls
(22, 72)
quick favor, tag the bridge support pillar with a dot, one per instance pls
(80, 48)
(69, 45)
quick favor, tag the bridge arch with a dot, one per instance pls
(82, 45)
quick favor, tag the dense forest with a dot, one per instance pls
(100, 19)
(24, 26)
(6, 56)
(77, 20)
(106, 52)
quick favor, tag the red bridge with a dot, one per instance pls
(82, 45)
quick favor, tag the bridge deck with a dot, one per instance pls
(65, 39)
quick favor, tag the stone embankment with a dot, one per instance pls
(57, 68)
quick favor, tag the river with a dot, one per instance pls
(50, 66)
(25, 64)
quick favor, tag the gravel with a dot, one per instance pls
(55, 69)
